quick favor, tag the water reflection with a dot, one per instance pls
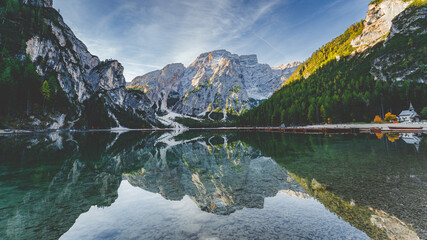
(412, 138)
(47, 181)
(154, 184)
(369, 182)
(219, 176)
(409, 138)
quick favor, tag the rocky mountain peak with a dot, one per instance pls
(107, 76)
(217, 82)
(248, 60)
(378, 22)
(173, 65)
(85, 80)
(287, 66)
(43, 3)
(158, 85)
(223, 57)
(213, 57)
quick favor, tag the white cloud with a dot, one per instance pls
(147, 35)
(156, 33)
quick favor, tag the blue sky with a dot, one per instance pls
(145, 35)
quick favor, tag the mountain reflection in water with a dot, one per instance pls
(251, 185)
(219, 178)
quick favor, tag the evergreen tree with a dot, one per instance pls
(345, 90)
(45, 91)
(323, 114)
(423, 113)
(311, 114)
(53, 85)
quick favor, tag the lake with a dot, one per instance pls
(213, 185)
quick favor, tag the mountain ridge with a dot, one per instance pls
(341, 84)
(356, 39)
(92, 91)
(215, 82)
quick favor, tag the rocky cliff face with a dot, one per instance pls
(82, 75)
(378, 23)
(407, 28)
(410, 21)
(216, 81)
(107, 81)
(159, 85)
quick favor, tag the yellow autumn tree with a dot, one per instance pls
(378, 119)
(390, 117)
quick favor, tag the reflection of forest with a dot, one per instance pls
(49, 180)
(360, 173)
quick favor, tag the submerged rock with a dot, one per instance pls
(394, 227)
(315, 185)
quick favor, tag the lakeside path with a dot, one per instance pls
(382, 126)
(325, 128)
(333, 128)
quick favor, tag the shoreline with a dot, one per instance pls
(362, 128)
(325, 128)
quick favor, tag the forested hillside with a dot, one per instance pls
(354, 87)
(22, 89)
(336, 49)
(49, 79)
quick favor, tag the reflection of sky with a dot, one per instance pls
(143, 215)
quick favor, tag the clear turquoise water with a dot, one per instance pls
(212, 185)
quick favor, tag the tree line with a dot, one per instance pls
(22, 89)
(344, 90)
